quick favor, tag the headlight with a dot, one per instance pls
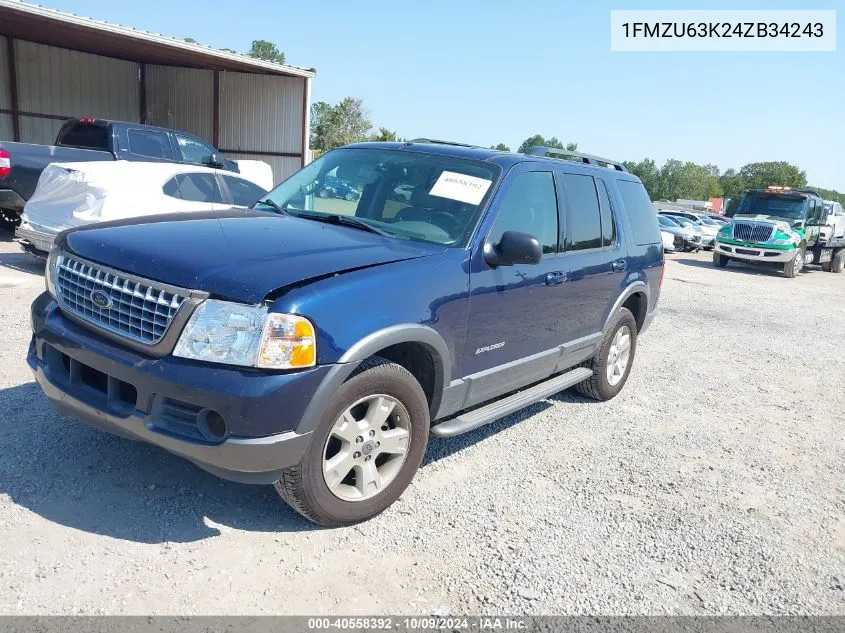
(782, 241)
(235, 334)
(50, 272)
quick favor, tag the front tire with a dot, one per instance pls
(720, 260)
(366, 449)
(795, 264)
(612, 364)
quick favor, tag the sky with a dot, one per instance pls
(500, 71)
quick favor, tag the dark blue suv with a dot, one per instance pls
(315, 343)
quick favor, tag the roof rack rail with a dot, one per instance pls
(437, 142)
(589, 159)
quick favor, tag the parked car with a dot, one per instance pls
(317, 351)
(336, 188)
(671, 243)
(721, 219)
(87, 140)
(690, 239)
(74, 194)
(705, 230)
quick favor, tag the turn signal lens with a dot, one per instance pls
(289, 342)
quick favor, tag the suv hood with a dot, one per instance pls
(238, 256)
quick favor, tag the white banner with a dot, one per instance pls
(723, 30)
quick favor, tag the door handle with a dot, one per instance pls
(619, 265)
(555, 278)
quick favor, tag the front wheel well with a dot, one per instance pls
(418, 359)
(637, 303)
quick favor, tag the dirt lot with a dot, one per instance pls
(712, 484)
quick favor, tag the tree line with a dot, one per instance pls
(687, 180)
(348, 122)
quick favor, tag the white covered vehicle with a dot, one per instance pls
(75, 194)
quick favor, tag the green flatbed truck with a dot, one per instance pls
(783, 228)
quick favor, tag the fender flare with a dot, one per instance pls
(637, 286)
(368, 346)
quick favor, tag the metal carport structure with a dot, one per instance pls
(56, 65)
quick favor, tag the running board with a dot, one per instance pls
(500, 408)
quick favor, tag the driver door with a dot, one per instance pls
(518, 312)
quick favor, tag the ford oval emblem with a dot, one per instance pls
(100, 299)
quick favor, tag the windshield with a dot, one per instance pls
(789, 207)
(707, 220)
(683, 221)
(664, 221)
(407, 195)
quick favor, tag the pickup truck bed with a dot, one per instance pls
(29, 161)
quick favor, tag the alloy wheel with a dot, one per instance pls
(366, 448)
(619, 355)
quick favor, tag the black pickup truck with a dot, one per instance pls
(88, 139)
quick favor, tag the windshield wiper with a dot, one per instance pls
(268, 202)
(348, 220)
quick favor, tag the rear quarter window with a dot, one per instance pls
(640, 212)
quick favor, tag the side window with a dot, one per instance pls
(171, 188)
(608, 222)
(193, 151)
(583, 217)
(150, 143)
(199, 188)
(640, 212)
(244, 193)
(529, 206)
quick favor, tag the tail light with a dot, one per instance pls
(87, 119)
(662, 270)
(5, 163)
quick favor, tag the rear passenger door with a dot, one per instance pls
(593, 255)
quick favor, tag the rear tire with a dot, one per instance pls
(826, 267)
(720, 260)
(9, 220)
(604, 384)
(837, 264)
(348, 499)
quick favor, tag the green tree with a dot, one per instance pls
(384, 134)
(229, 50)
(337, 125)
(733, 184)
(190, 40)
(262, 49)
(538, 139)
(687, 180)
(758, 175)
(501, 147)
(647, 171)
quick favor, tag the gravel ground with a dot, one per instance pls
(712, 485)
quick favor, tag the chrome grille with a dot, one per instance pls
(140, 311)
(749, 232)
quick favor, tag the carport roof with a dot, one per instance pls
(67, 30)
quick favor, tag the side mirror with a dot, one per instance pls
(513, 248)
(215, 160)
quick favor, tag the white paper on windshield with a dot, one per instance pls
(460, 187)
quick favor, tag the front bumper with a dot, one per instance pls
(166, 401)
(754, 252)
